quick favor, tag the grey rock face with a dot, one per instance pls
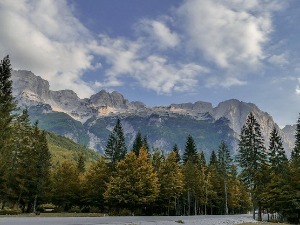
(31, 90)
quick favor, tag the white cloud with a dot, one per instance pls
(226, 82)
(151, 71)
(45, 37)
(279, 60)
(298, 88)
(159, 33)
(228, 32)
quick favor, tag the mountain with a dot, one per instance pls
(89, 121)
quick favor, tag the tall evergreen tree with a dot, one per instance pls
(225, 164)
(295, 155)
(7, 102)
(81, 163)
(137, 143)
(252, 160)
(116, 147)
(145, 143)
(190, 151)
(277, 158)
(7, 106)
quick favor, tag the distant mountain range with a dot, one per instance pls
(89, 121)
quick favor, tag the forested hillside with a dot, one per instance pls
(38, 168)
(62, 148)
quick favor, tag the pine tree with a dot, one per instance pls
(277, 158)
(81, 163)
(202, 160)
(190, 151)
(116, 147)
(146, 144)
(252, 159)
(295, 155)
(137, 144)
(41, 167)
(7, 106)
(215, 194)
(176, 151)
(7, 102)
(225, 164)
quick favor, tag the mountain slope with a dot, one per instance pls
(62, 148)
(89, 121)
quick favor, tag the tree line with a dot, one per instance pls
(144, 181)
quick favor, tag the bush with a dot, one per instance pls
(7, 211)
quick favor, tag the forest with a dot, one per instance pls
(141, 180)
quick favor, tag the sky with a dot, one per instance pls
(162, 51)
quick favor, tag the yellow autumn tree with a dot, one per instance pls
(134, 184)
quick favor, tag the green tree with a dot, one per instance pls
(116, 147)
(225, 164)
(7, 102)
(41, 167)
(65, 185)
(295, 155)
(7, 106)
(277, 158)
(252, 160)
(190, 151)
(137, 143)
(81, 163)
(95, 184)
(215, 194)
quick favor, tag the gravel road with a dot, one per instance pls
(129, 220)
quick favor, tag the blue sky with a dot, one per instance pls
(162, 51)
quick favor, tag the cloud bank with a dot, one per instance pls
(201, 43)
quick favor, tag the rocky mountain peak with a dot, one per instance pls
(104, 98)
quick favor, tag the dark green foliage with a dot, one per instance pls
(202, 160)
(7, 101)
(116, 147)
(190, 151)
(225, 165)
(145, 143)
(253, 160)
(81, 163)
(213, 158)
(137, 144)
(277, 158)
(295, 156)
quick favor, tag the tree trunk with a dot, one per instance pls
(189, 203)
(226, 198)
(259, 218)
(34, 203)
